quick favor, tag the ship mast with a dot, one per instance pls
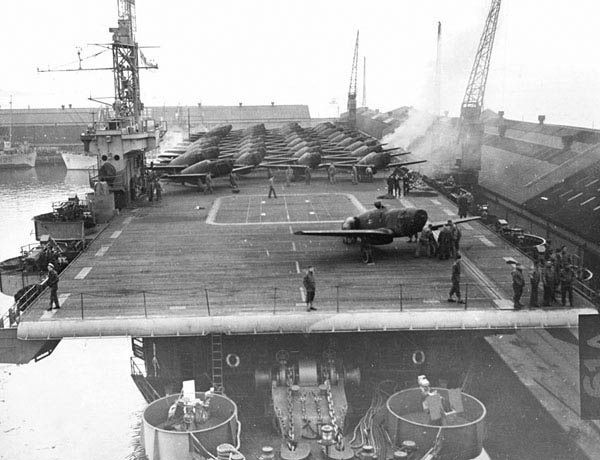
(125, 53)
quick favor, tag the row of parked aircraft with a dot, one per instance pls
(222, 151)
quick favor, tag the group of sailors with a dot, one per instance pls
(148, 184)
(555, 271)
(398, 183)
(446, 246)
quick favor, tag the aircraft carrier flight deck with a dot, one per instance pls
(193, 264)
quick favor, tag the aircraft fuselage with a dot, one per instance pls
(401, 222)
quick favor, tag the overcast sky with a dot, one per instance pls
(545, 59)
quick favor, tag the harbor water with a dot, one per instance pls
(80, 402)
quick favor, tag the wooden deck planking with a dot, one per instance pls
(167, 258)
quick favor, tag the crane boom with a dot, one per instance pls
(352, 87)
(473, 100)
(471, 128)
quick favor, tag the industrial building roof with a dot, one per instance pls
(211, 115)
(521, 160)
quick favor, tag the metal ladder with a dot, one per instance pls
(216, 356)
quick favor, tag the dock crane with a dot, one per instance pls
(471, 128)
(352, 88)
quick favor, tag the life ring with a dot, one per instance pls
(232, 360)
(418, 357)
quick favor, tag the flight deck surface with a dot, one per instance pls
(193, 264)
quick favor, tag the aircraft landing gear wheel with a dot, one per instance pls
(366, 254)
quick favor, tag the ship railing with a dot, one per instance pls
(9, 319)
(139, 377)
(330, 298)
(12, 316)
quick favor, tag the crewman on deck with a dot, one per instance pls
(289, 175)
(534, 280)
(52, 283)
(567, 277)
(423, 241)
(462, 205)
(307, 175)
(456, 235)
(208, 190)
(455, 289)
(310, 287)
(233, 180)
(518, 282)
(548, 281)
(158, 188)
(331, 173)
(445, 242)
(272, 187)
(354, 175)
(390, 185)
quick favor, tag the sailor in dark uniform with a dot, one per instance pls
(52, 282)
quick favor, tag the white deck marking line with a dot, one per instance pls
(294, 246)
(177, 307)
(214, 210)
(303, 295)
(311, 212)
(449, 212)
(357, 204)
(260, 212)
(263, 214)
(62, 298)
(287, 210)
(434, 201)
(102, 251)
(247, 211)
(83, 273)
(282, 222)
(467, 226)
(128, 220)
(297, 267)
(485, 241)
(407, 203)
(116, 234)
(267, 252)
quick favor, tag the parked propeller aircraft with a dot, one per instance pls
(196, 173)
(380, 226)
(374, 160)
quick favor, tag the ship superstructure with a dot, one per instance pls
(125, 132)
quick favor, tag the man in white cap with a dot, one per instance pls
(52, 282)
